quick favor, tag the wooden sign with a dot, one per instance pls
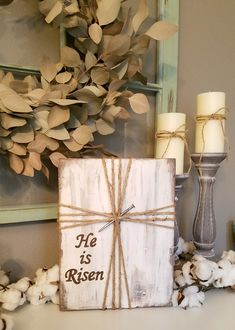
(116, 220)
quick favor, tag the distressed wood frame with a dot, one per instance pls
(165, 90)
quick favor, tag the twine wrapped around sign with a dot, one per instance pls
(178, 133)
(116, 217)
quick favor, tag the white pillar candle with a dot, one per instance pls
(209, 137)
(171, 147)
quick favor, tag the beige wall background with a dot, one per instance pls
(206, 63)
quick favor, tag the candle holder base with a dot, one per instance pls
(204, 226)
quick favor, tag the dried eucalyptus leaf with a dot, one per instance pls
(117, 45)
(16, 163)
(65, 102)
(72, 8)
(113, 28)
(58, 116)
(35, 160)
(133, 65)
(111, 98)
(14, 102)
(82, 134)
(48, 69)
(99, 76)
(6, 143)
(92, 124)
(139, 103)
(19, 86)
(56, 94)
(161, 30)
(70, 57)
(80, 113)
(72, 145)
(73, 122)
(97, 91)
(115, 85)
(110, 113)
(55, 158)
(32, 82)
(45, 84)
(76, 26)
(46, 5)
(93, 108)
(7, 79)
(121, 69)
(41, 142)
(141, 15)
(42, 119)
(36, 94)
(58, 133)
(9, 121)
(140, 45)
(104, 128)
(90, 60)
(63, 77)
(59, 66)
(54, 12)
(18, 149)
(46, 172)
(28, 169)
(23, 134)
(107, 12)
(4, 132)
(95, 32)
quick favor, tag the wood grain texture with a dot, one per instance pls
(147, 249)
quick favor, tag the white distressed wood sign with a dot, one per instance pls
(116, 219)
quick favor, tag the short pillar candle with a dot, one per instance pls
(168, 146)
(209, 137)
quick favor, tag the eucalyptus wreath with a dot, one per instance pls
(57, 114)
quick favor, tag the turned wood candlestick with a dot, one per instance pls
(179, 180)
(204, 226)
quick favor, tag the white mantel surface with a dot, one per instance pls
(217, 313)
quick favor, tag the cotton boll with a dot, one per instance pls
(180, 280)
(53, 274)
(186, 270)
(8, 306)
(35, 295)
(49, 290)
(7, 324)
(195, 298)
(11, 295)
(229, 255)
(55, 299)
(23, 284)
(175, 298)
(4, 279)
(41, 276)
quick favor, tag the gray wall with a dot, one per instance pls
(206, 63)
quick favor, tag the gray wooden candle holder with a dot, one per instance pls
(179, 180)
(204, 226)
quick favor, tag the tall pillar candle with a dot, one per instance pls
(168, 145)
(209, 137)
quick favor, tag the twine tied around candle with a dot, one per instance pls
(178, 133)
(213, 116)
(116, 216)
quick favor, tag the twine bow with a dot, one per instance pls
(178, 133)
(204, 120)
(116, 216)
